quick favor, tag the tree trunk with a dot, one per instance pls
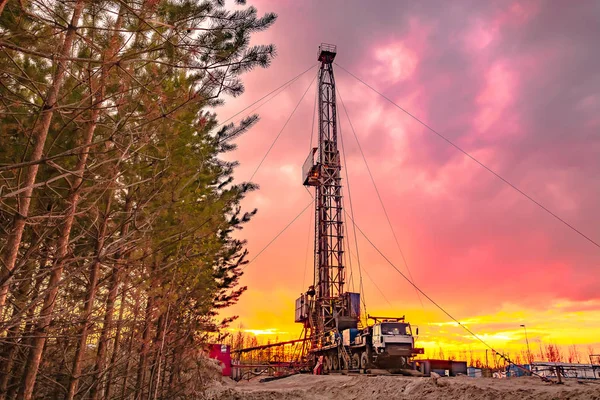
(159, 341)
(163, 380)
(124, 391)
(141, 373)
(63, 241)
(13, 385)
(2, 4)
(109, 312)
(39, 338)
(104, 336)
(117, 344)
(89, 303)
(107, 55)
(11, 345)
(175, 359)
(38, 136)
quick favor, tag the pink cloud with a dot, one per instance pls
(396, 62)
(495, 98)
(479, 35)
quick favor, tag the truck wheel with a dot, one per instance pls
(327, 362)
(364, 361)
(343, 365)
(355, 361)
(335, 363)
(404, 362)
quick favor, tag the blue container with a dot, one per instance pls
(348, 336)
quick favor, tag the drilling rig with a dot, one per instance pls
(331, 315)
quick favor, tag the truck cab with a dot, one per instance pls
(393, 343)
(392, 333)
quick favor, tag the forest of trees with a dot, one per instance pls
(116, 207)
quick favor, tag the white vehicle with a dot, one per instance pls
(388, 344)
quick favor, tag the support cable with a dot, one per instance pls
(350, 254)
(284, 86)
(312, 126)
(361, 287)
(502, 355)
(282, 129)
(347, 255)
(481, 164)
(279, 234)
(281, 89)
(310, 231)
(312, 132)
(387, 217)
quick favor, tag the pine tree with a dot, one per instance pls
(117, 197)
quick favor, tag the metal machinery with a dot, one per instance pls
(326, 310)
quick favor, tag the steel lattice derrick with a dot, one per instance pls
(325, 309)
(329, 251)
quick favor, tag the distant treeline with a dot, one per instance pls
(475, 357)
(116, 207)
(537, 352)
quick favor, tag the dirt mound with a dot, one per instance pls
(308, 387)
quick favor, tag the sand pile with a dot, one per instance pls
(308, 387)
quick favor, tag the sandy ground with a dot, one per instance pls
(309, 387)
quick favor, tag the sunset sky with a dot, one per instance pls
(515, 84)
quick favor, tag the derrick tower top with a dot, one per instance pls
(327, 53)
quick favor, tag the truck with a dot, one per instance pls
(388, 343)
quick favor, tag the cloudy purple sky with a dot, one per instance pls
(515, 84)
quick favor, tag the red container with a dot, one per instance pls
(222, 353)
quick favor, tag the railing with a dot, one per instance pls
(346, 357)
(326, 47)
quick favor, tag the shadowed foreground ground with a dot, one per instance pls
(309, 387)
